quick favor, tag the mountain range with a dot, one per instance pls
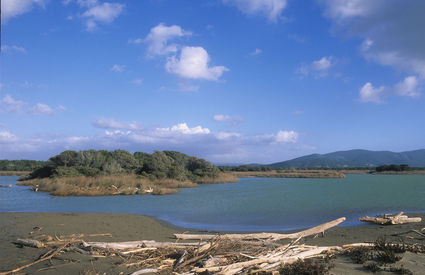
(355, 158)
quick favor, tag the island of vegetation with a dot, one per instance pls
(96, 173)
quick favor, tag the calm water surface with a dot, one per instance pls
(252, 204)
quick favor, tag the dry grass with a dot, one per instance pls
(14, 173)
(291, 173)
(113, 185)
(221, 178)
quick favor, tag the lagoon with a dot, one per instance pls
(252, 204)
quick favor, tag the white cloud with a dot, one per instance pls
(194, 63)
(159, 37)
(368, 93)
(100, 13)
(232, 120)
(12, 105)
(12, 48)
(183, 128)
(256, 52)
(7, 137)
(109, 123)
(318, 68)
(408, 87)
(41, 109)
(13, 8)
(392, 30)
(272, 9)
(118, 68)
(226, 135)
(286, 137)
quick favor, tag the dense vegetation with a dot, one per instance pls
(19, 165)
(393, 168)
(159, 165)
(355, 158)
(96, 173)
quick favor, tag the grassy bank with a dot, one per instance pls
(290, 173)
(116, 185)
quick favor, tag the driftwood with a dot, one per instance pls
(225, 254)
(137, 244)
(258, 236)
(28, 242)
(45, 257)
(390, 219)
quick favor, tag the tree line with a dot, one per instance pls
(20, 165)
(159, 165)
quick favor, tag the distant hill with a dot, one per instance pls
(355, 158)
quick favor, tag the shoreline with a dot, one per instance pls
(132, 227)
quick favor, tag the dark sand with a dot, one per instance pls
(136, 227)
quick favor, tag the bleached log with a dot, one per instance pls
(137, 244)
(29, 242)
(283, 260)
(391, 219)
(275, 236)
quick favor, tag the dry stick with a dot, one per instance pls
(36, 262)
(274, 236)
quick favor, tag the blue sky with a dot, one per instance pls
(232, 81)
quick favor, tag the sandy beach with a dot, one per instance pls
(124, 227)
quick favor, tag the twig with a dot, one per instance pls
(36, 262)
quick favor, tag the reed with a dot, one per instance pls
(114, 185)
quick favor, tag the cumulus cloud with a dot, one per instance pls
(109, 123)
(13, 48)
(193, 63)
(41, 109)
(392, 30)
(193, 140)
(159, 37)
(183, 128)
(368, 93)
(118, 68)
(232, 120)
(409, 87)
(13, 8)
(272, 9)
(318, 68)
(96, 12)
(10, 104)
(286, 137)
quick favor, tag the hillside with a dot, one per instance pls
(355, 158)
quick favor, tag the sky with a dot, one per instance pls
(231, 81)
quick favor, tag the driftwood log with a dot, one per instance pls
(388, 219)
(261, 236)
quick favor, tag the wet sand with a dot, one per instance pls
(136, 227)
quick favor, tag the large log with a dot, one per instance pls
(138, 244)
(274, 236)
(390, 219)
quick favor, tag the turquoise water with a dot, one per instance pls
(252, 204)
